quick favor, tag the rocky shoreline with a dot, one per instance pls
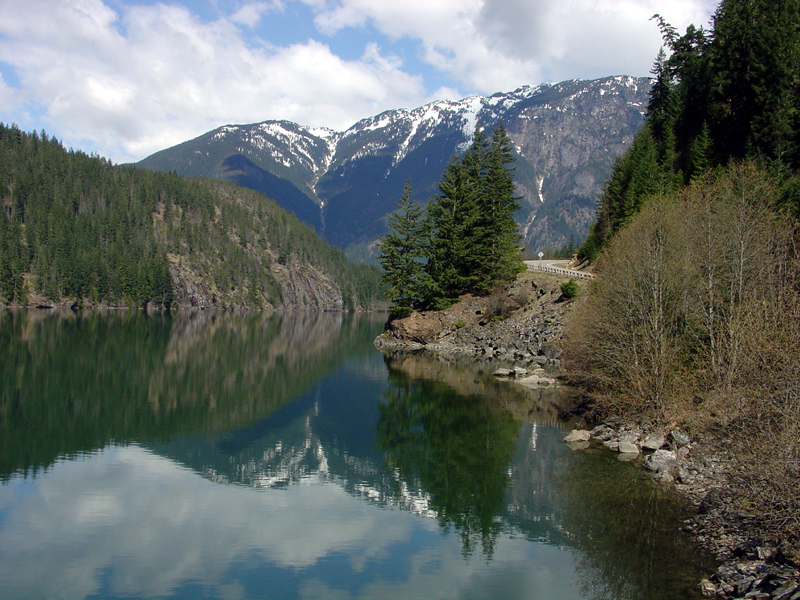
(748, 566)
(524, 329)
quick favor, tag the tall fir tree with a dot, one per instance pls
(403, 252)
(501, 255)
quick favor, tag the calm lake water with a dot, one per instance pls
(217, 455)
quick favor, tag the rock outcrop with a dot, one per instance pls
(522, 326)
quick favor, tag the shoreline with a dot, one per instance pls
(526, 330)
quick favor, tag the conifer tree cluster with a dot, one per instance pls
(465, 240)
(719, 97)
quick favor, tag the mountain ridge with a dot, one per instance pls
(565, 135)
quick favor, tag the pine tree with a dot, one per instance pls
(500, 235)
(700, 154)
(403, 252)
(452, 216)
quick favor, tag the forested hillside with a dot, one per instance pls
(694, 318)
(719, 96)
(76, 229)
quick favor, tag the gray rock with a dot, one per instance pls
(661, 461)
(577, 435)
(680, 437)
(540, 360)
(520, 371)
(612, 445)
(602, 433)
(786, 591)
(707, 589)
(629, 436)
(503, 373)
(654, 441)
(628, 447)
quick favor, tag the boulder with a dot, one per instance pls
(654, 441)
(628, 447)
(520, 371)
(602, 433)
(661, 461)
(680, 437)
(577, 435)
(503, 373)
(532, 380)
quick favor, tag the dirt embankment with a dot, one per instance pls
(522, 325)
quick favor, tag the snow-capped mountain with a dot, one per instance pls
(566, 137)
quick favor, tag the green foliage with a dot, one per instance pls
(719, 97)
(88, 231)
(569, 289)
(468, 240)
(403, 252)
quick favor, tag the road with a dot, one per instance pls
(557, 266)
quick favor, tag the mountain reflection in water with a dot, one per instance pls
(281, 456)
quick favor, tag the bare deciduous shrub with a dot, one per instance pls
(630, 325)
(699, 298)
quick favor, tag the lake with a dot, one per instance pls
(281, 456)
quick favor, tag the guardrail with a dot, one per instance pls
(559, 271)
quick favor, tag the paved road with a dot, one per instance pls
(559, 267)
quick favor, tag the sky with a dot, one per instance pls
(126, 78)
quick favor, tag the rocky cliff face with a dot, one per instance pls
(302, 287)
(566, 137)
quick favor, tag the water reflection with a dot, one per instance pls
(457, 448)
(73, 382)
(622, 523)
(247, 456)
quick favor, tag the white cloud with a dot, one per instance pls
(250, 14)
(492, 45)
(132, 82)
(157, 75)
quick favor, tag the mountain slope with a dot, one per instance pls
(76, 229)
(566, 137)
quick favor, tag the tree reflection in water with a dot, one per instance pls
(457, 448)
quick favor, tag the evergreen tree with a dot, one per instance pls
(452, 217)
(700, 156)
(499, 246)
(403, 252)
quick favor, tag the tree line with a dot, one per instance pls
(718, 97)
(76, 227)
(465, 240)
